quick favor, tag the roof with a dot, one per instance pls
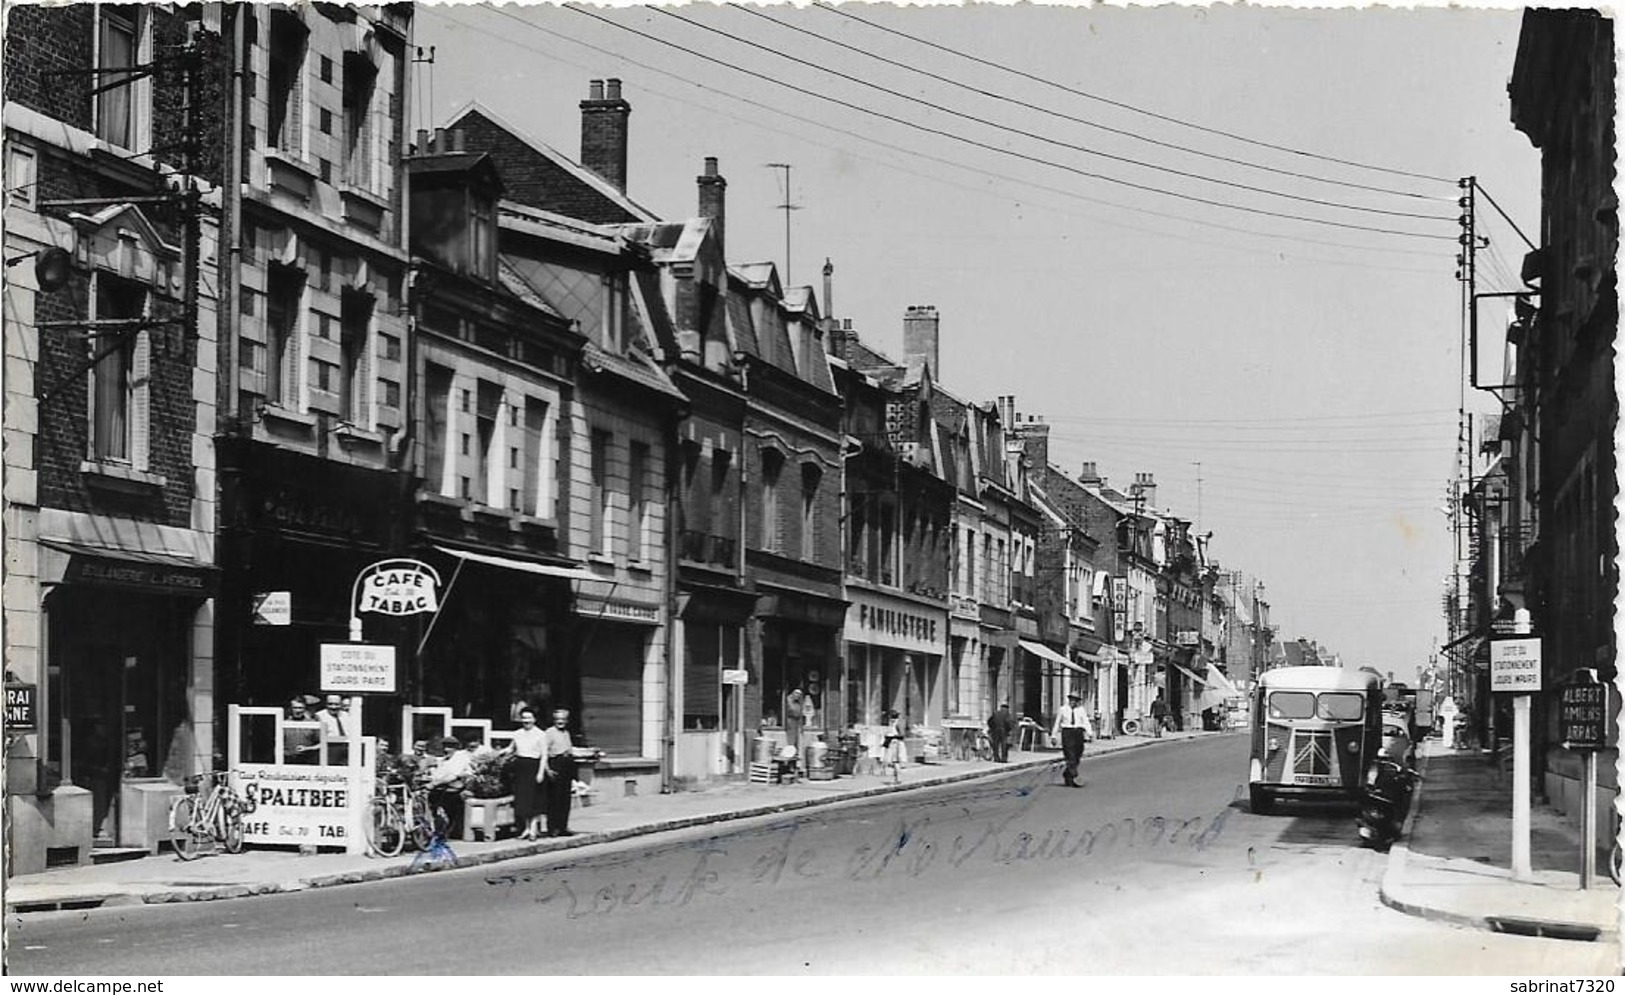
(634, 367)
(1317, 679)
(552, 178)
(518, 286)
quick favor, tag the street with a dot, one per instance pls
(1154, 867)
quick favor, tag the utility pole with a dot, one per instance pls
(786, 207)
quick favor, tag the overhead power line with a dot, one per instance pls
(1130, 107)
(996, 149)
(1035, 136)
(778, 112)
(1123, 132)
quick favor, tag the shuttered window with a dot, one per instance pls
(612, 689)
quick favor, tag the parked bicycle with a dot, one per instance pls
(399, 813)
(209, 815)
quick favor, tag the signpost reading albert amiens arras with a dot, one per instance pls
(1582, 718)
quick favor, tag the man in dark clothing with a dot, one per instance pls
(1159, 714)
(999, 727)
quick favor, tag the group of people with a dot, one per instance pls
(1072, 727)
(302, 745)
(544, 775)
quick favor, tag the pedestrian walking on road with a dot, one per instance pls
(1072, 728)
(999, 727)
(1159, 714)
(558, 774)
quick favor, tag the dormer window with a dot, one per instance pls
(482, 232)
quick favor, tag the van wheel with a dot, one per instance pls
(1262, 802)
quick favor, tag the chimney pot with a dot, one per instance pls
(710, 165)
(423, 141)
(595, 90)
(612, 89)
(457, 140)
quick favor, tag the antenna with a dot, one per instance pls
(1198, 465)
(786, 207)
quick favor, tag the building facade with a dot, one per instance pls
(110, 410)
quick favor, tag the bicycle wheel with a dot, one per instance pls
(181, 816)
(422, 822)
(231, 837)
(383, 827)
(1615, 858)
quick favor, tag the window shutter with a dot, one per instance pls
(612, 689)
(140, 401)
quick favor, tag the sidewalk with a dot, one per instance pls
(1453, 863)
(164, 878)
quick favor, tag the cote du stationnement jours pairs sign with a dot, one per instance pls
(1515, 664)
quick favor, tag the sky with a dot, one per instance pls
(1213, 244)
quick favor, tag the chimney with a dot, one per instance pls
(439, 141)
(456, 139)
(920, 337)
(1089, 475)
(1145, 486)
(422, 147)
(713, 198)
(603, 131)
(829, 288)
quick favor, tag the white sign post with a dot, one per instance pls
(1515, 667)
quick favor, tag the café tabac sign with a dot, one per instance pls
(397, 587)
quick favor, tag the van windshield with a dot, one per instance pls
(1342, 706)
(1292, 705)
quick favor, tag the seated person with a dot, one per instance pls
(447, 781)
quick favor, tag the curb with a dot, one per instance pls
(1393, 879)
(400, 870)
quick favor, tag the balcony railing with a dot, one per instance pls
(701, 547)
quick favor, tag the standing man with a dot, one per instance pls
(999, 727)
(1073, 730)
(1159, 713)
(558, 774)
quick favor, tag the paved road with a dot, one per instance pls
(1153, 867)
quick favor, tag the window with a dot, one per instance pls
(615, 303)
(810, 476)
(708, 648)
(488, 457)
(436, 427)
(887, 537)
(636, 489)
(598, 531)
(354, 336)
(285, 82)
(538, 486)
(989, 565)
(481, 239)
(114, 377)
(283, 307)
(360, 79)
(772, 465)
(118, 48)
(21, 174)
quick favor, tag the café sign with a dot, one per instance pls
(398, 587)
(299, 804)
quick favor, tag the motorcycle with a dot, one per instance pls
(1384, 802)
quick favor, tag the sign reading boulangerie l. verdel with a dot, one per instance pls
(298, 804)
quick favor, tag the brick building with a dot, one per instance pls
(110, 343)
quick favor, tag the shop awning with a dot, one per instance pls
(524, 566)
(1045, 653)
(1191, 674)
(136, 569)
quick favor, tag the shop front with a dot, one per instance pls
(621, 685)
(712, 681)
(802, 684)
(895, 646)
(128, 666)
(297, 531)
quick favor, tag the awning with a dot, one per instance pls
(136, 569)
(1220, 682)
(524, 566)
(1044, 652)
(1191, 674)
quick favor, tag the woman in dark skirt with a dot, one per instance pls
(528, 743)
